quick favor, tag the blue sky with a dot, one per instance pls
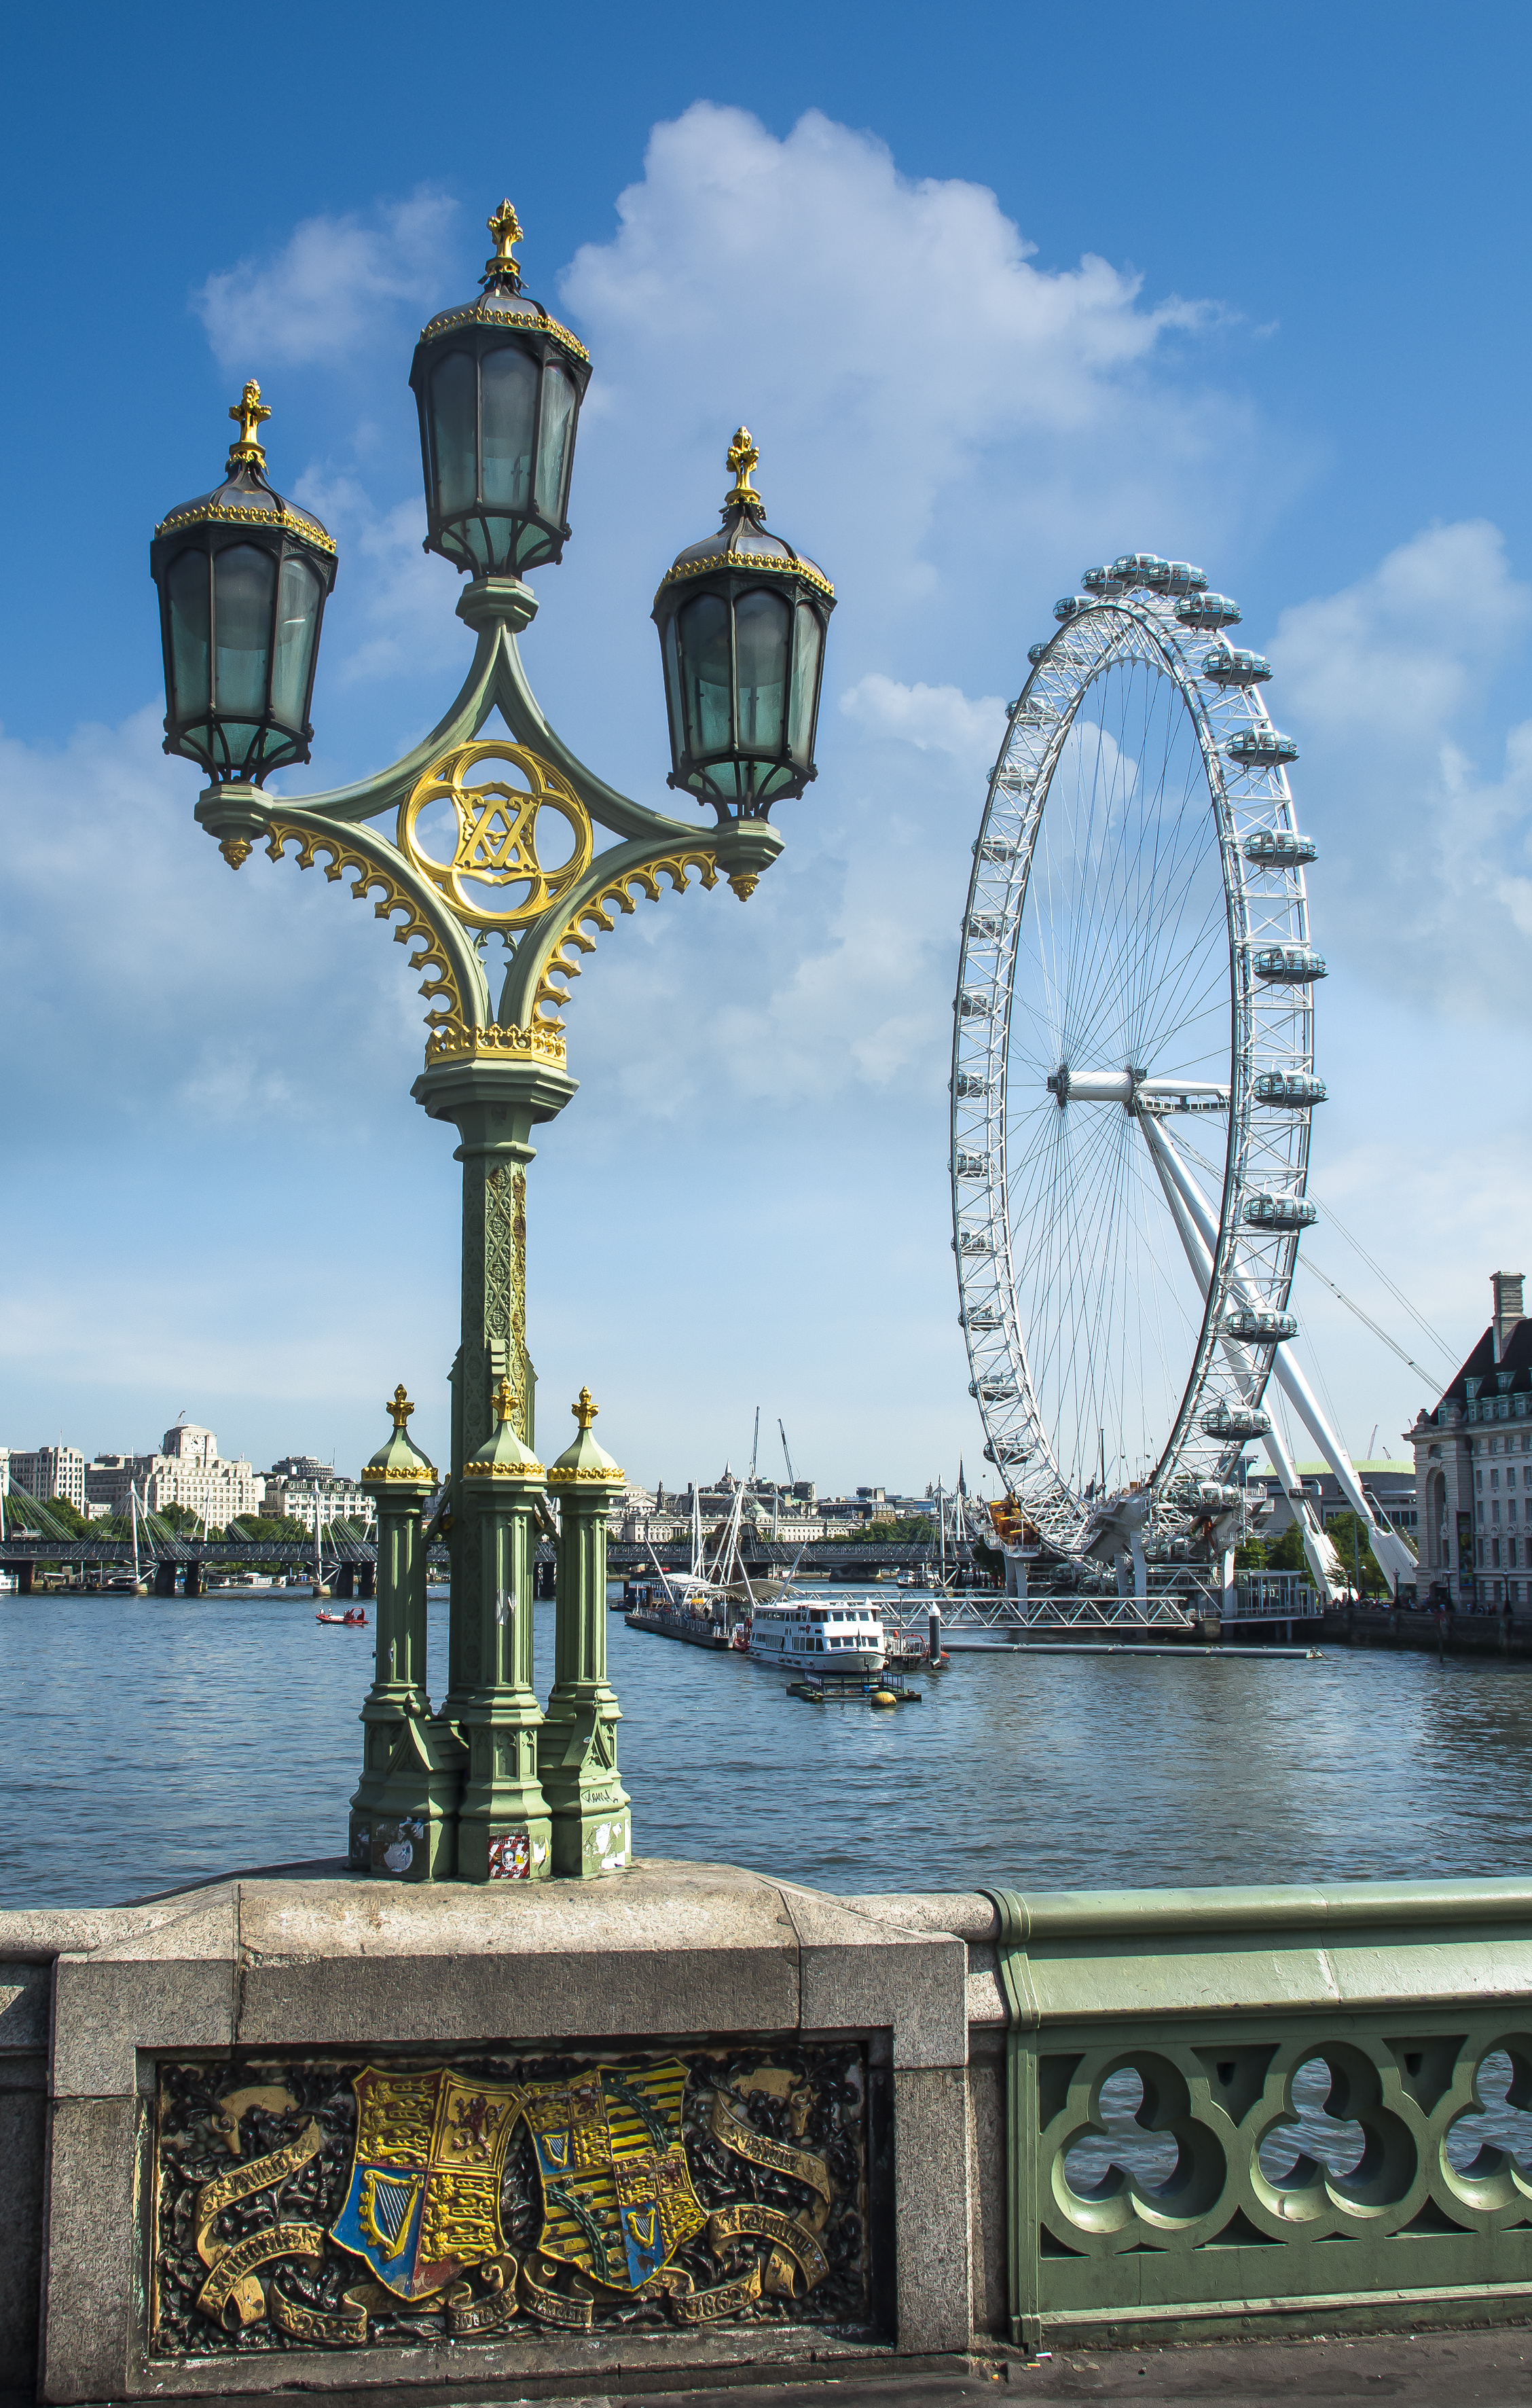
(1000, 293)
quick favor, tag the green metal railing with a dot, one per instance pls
(1243, 2109)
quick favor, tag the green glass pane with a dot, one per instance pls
(454, 433)
(297, 623)
(509, 385)
(672, 692)
(237, 742)
(762, 623)
(244, 580)
(554, 440)
(707, 677)
(187, 585)
(808, 637)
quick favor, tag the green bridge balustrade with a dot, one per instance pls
(916, 2127)
(1230, 2188)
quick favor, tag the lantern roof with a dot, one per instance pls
(503, 1456)
(502, 301)
(398, 1459)
(586, 1458)
(744, 541)
(245, 495)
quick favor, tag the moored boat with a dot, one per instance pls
(839, 1635)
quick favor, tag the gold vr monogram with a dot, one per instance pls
(488, 868)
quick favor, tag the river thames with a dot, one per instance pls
(154, 1743)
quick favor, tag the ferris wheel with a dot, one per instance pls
(1133, 1066)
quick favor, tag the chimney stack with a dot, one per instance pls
(1505, 1289)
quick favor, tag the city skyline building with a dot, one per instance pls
(48, 1471)
(1473, 1482)
(187, 1471)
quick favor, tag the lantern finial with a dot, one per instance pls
(249, 412)
(400, 1407)
(743, 457)
(503, 1401)
(506, 226)
(584, 1410)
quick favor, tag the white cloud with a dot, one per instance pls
(934, 406)
(933, 718)
(324, 291)
(1394, 657)
(1427, 860)
(394, 610)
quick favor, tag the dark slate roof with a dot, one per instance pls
(1513, 1371)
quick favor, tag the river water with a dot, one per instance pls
(153, 1742)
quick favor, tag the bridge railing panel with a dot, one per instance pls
(1207, 2092)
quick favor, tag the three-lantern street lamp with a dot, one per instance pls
(473, 835)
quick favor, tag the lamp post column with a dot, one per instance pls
(503, 1830)
(577, 1747)
(495, 1104)
(402, 1814)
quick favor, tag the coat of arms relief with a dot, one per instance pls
(336, 2205)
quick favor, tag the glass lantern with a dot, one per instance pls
(498, 385)
(742, 619)
(243, 576)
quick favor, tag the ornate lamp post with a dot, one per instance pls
(470, 837)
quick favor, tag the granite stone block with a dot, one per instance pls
(932, 2211)
(91, 2237)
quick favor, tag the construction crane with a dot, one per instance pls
(791, 1475)
(754, 1450)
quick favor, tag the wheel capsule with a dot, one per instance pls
(1291, 1091)
(1288, 964)
(1256, 1329)
(1261, 748)
(1211, 610)
(1228, 666)
(1280, 1212)
(1236, 1420)
(1278, 849)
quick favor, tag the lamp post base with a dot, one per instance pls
(412, 1832)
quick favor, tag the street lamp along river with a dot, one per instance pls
(471, 836)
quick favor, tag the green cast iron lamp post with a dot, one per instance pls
(474, 835)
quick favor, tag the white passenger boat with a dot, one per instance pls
(843, 1634)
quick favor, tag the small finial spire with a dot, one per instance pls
(506, 226)
(503, 1401)
(742, 458)
(400, 1407)
(585, 1411)
(249, 414)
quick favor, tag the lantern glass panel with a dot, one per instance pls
(455, 433)
(187, 587)
(244, 582)
(558, 409)
(508, 383)
(763, 623)
(297, 624)
(707, 674)
(808, 642)
(672, 691)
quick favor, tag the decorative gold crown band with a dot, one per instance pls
(746, 564)
(292, 520)
(478, 314)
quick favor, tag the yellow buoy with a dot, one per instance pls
(884, 1698)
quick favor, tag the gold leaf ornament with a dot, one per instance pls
(479, 841)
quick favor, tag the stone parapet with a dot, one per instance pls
(726, 2095)
(686, 2125)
